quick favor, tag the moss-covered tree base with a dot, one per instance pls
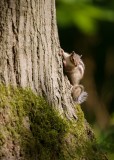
(31, 130)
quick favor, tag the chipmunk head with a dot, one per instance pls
(75, 58)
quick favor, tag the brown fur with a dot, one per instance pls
(74, 69)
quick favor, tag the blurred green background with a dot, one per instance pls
(87, 27)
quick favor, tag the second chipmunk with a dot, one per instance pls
(74, 69)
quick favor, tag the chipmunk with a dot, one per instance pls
(74, 69)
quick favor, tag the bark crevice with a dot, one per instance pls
(31, 52)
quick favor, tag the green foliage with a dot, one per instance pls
(84, 14)
(106, 140)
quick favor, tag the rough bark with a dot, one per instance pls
(29, 49)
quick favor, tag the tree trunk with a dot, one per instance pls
(29, 47)
(29, 51)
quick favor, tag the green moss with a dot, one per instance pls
(32, 123)
(35, 131)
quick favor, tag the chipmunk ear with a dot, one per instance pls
(73, 53)
(73, 58)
